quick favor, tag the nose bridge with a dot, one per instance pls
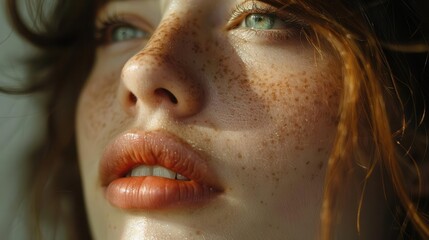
(177, 35)
(169, 35)
(159, 76)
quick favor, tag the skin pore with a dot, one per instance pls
(259, 104)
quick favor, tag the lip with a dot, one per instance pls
(136, 148)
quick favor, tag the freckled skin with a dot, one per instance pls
(265, 115)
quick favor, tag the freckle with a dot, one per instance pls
(198, 232)
(308, 162)
(320, 165)
(240, 156)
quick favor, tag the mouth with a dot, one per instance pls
(155, 170)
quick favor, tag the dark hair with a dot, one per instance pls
(65, 56)
(390, 34)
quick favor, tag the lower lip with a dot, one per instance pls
(151, 192)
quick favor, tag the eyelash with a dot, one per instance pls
(242, 10)
(109, 23)
(239, 14)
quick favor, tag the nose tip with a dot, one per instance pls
(149, 84)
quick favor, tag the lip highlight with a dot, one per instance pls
(157, 148)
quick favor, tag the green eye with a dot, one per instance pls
(126, 32)
(260, 21)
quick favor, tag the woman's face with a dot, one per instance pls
(231, 98)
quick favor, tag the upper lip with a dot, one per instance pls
(135, 148)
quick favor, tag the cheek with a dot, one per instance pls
(302, 102)
(295, 89)
(97, 110)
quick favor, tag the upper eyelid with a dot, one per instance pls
(147, 12)
(132, 20)
(242, 9)
(254, 7)
(111, 20)
(135, 13)
(114, 17)
(247, 7)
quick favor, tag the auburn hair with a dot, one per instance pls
(382, 47)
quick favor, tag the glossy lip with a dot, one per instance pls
(136, 148)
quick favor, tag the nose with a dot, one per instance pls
(160, 76)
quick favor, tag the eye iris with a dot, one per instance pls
(124, 33)
(259, 21)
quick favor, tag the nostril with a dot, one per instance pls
(132, 98)
(162, 92)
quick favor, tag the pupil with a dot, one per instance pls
(258, 18)
(124, 33)
(259, 21)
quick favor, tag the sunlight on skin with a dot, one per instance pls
(259, 105)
